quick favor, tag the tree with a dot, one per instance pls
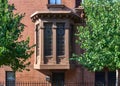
(13, 53)
(100, 37)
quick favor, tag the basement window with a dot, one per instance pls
(10, 78)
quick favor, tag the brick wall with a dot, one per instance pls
(2, 74)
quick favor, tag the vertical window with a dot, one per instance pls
(48, 39)
(60, 39)
(54, 1)
(10, 78)
(72, 39)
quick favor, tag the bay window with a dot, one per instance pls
(52, 42)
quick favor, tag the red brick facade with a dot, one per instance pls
(77, 73)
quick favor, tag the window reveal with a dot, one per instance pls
(60, 39)
(48, 39)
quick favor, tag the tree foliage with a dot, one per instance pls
(100, 37)
(13, 53)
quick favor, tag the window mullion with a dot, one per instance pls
(55, 1)
(42, 44)
(67, 42)
(54, 43)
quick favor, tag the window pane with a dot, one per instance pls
(99, 78)
(48, 39)
(60, 39)
(54, 1)
(10, 78)
(111, 78)
(58, 1)
(51, 1)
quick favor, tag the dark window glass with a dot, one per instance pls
(111, 78)
(72, 40)
(48, 39)
(100, 78)
(58, 79)
(10, 78)
(78, 2)
(60, 39)
(54, 1)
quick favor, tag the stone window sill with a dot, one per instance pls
(61, 56)
(50, 56)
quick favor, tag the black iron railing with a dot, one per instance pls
(38, 83)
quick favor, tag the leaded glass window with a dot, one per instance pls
(48, 39)
(60, 39)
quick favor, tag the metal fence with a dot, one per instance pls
(31, 83)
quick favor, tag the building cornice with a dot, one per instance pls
(55, 15)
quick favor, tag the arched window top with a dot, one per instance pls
(54, 2)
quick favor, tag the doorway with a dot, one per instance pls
(58, 79)
(105, 78)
